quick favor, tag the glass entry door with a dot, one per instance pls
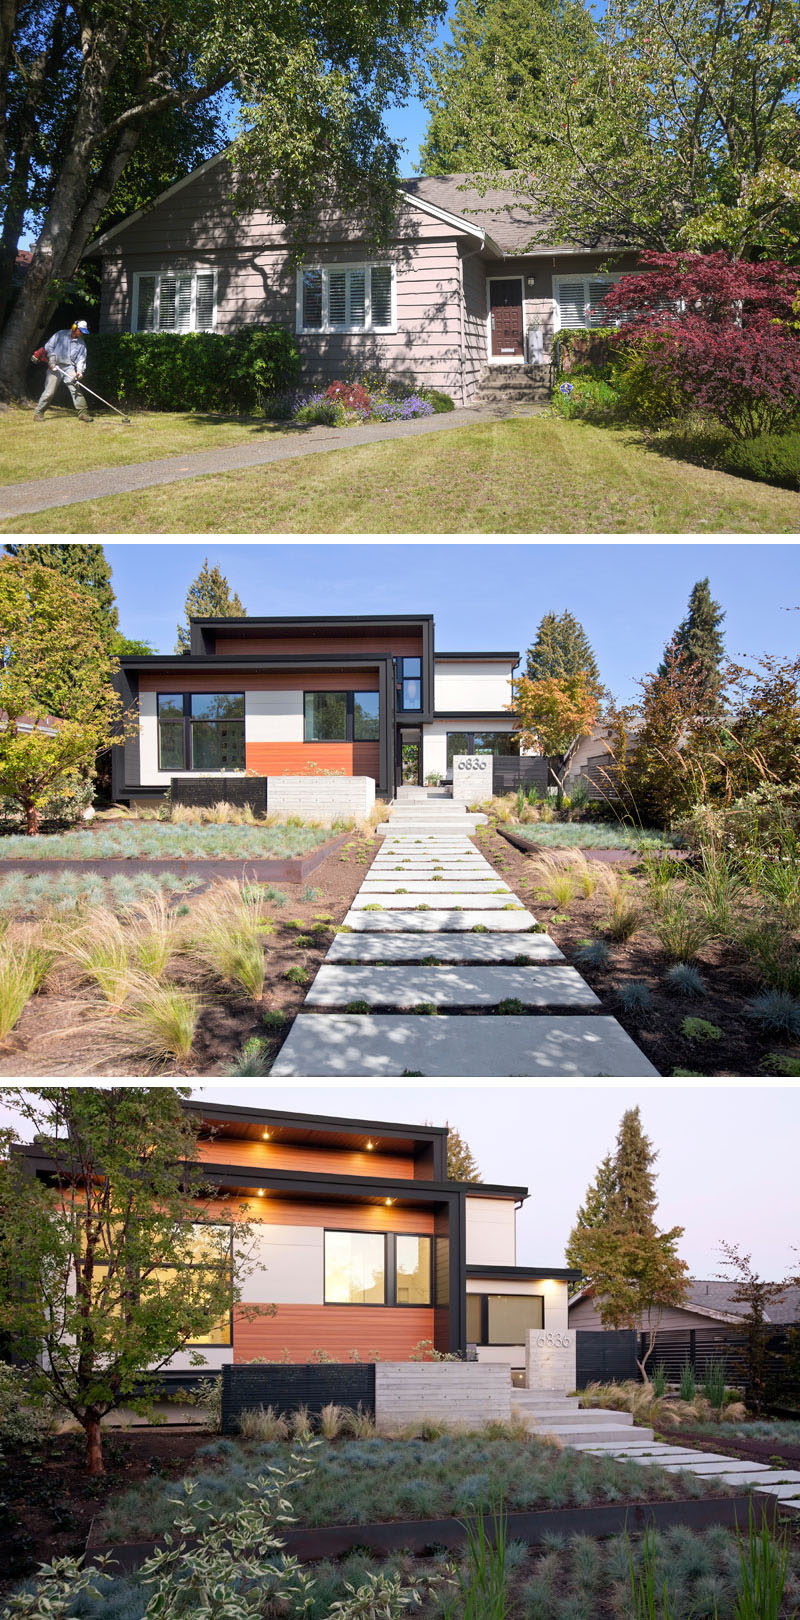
(409, 747)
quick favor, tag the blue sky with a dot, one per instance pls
(629, 598)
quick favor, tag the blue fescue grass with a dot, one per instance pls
(65, 892)
(165, 841)
(592, 835)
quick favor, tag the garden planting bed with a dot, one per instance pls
(58, 1032)
(736, 1445)
(253, 869)
(740, 1048)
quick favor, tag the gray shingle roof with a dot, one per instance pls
(716, 1296)
(500, 211)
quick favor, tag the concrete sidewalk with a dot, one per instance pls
(40, 494)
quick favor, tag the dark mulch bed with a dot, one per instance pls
(761, 1451)
(730, 984)
(55, 1034)
(48, 1501)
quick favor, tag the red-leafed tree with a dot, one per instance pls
(719, 335)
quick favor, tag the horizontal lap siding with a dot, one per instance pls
(247, 681)
(391, 1332)
(300, 759)
(366, 760)
(288, 1156)
(475, 356)
(339, 1217)
(345, 641)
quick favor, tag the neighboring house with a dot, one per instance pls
(352, 696)
(362, 1244)
(458, 288)
(706, 1305)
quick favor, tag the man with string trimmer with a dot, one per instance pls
(65, 356)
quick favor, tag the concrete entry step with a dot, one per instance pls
(430, 886)
(391, 1043)
(450, 986)
(445, 899)
(438, 921)
(489, 948)
(573, 1436)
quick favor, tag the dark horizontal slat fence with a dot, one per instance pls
(285, 1387)
(205, 791)
(605, 1357)
(519, 770)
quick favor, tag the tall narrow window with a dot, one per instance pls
(413, 1279)
(312, 299)
(366, 718)
(204, 301)
(146, 304)
(381, 295)
(409, 684)
(170, 731)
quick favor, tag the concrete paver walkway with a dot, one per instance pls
(39, 494)
(783, 1483)
(454, 946)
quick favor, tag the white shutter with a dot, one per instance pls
(204, 301)
(571, 297)
(146, 304)
(598, 314)
(358, 287)
(175, 303)
(381, 291)
(337, 298)
(312, 299)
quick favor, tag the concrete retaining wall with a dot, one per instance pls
(550, 1360)
(468, 1392)
(320, 797)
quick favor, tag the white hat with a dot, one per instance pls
(83, 326)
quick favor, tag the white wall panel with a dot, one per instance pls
(273, 717)
(491, 1232)
(288, 1266)
(472, 684)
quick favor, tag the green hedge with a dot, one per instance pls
(772, 458)
(195, 371)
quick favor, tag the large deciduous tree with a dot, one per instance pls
(633, 1268)
(209, 597)
(654, 126)
(53, 662)
(312, 81)
(553, 713)
(87, 566)
(109, 1265)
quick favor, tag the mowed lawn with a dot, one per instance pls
(535, 474)
(61, 444)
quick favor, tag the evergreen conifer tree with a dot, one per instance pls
(461, 1162)
(209, 597)
(698, 643)
(562, 649)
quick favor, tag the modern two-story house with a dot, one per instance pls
(470, 279)
(362, 1245)
(353, 696)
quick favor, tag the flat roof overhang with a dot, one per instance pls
(319, 1130)
(289, 623)
(479, 657)
(510, 1273)
(252, 661)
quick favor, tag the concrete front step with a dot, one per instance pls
(570, 1436)
(467, 948)
(355, 1044)
(409, 987)
(438, 921)
(465, 884)
(446, 899)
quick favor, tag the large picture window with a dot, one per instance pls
(378, 1268)
(341, 716)
(503, 1319)
(202, 1253)
(201, 731)
(174, 301)
(346, 298)
(578, 301)
(479, 742)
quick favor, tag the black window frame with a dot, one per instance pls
(484, 1342)
(390, 1300)
(400, 678)
(349, 694)
(470, 736)
(188, 742)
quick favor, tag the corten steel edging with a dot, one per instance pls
(287, 868)
(424, 1536)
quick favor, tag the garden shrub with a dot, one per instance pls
(320, 411)
(759, 821)
(23, 1422)
(441, 402)
(772, 458)
(197, 371)
(586, 396)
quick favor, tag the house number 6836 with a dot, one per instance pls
(552, 1341)
(472, 765)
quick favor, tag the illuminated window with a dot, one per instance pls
(355, 1268)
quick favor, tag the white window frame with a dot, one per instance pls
(326, 270)
(609, 276)
(186, 270)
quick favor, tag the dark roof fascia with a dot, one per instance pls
(358, 1127)
(473, 714)
(244, 661)
(300, 621)
(504, 657)
(559, 1273)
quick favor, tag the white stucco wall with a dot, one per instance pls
(491, 1232)
(471, 684)
(273, 717)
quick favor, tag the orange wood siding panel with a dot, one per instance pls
(297, 1156)
(366, 759)
(298, 680)
(389, 1332)
(343, 1216)
(300, 759)
(399, 646)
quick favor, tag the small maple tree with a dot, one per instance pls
(553, 714)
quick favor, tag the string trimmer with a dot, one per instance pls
(86, 389)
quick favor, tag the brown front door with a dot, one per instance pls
(505, 318)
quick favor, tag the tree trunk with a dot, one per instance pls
(31, 818)
(94, 1444)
